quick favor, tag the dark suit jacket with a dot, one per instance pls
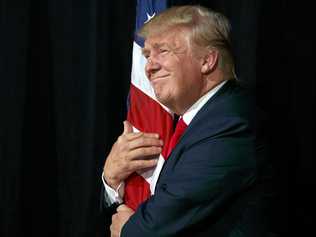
(211, 184)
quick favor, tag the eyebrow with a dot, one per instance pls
(155, 46)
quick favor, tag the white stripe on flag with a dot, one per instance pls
(151, 176)
(139, 78)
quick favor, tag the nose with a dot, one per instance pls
(152, 66)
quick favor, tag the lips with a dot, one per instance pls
(158, 78)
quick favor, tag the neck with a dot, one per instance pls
(212, 80)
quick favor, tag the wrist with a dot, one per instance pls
(111, 181)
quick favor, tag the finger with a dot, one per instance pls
(123, 207)
(114, 217)
(127, 127)
(144, 141)
(135, 135)
(113, 231)
(143, 164)
(144, 153)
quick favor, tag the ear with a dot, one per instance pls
(209, 62)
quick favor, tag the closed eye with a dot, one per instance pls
(163, 50)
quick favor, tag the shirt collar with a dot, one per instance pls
(192, 111)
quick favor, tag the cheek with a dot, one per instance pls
(188, 79)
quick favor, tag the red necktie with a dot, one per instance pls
(180, 127)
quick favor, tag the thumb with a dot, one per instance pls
(123, 207)
(127, 127)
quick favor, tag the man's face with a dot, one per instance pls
(173, 71)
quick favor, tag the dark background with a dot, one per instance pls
(64, 78)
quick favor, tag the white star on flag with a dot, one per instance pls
(149, 17)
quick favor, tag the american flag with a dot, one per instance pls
(145, 113)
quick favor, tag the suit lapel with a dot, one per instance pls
(205, 109)
(189, 132)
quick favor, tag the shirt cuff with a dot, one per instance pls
(111, 195)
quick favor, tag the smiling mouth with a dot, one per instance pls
(156, 79)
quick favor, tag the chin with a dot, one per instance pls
(165, 101)
(160, 98)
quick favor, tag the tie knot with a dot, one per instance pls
(180, 127)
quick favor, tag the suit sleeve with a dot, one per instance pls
(206, 175)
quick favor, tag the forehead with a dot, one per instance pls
(172, 38)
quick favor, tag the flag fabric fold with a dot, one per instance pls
(145, 113)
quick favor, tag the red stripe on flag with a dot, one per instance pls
(149, 116)
(137, 190)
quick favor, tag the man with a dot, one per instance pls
(210, 185)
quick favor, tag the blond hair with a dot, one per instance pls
(208, 29)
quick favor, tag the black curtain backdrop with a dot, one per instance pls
(64, 79)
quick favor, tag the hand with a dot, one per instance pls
(131, 152)
(119, 219)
